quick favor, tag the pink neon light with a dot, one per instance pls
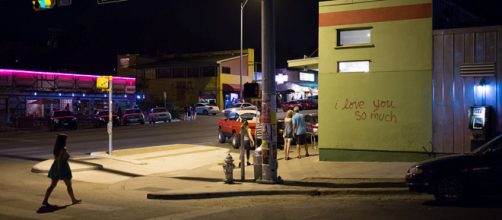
(25, 72)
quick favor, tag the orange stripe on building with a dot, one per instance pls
(405, 12)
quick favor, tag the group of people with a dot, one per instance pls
(295, 127)
(190, 112)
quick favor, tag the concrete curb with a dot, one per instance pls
(315, 192)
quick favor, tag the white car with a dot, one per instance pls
(159, 114)
(242, 106)
(206, 109)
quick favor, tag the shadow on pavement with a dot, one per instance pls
(346, 185)
(381, 184)
(480, 202)
(50, 208)
(22, 157)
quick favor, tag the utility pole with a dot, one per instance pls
(269, 105)
(243, 4)
(110, 115)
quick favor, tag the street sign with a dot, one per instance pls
(102, 82)
(100, 2)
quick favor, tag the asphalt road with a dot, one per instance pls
(21, 191)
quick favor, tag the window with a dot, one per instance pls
(354, 37)
(307, 77)
(225, 69)
(354, 66)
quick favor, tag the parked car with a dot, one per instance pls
(206, 109)
(101, 119)
(62, 119)
(312, 123)
(159, 114)
(457, 177)
(242, 106)
(308, 104)
(230, 127)
(291, 105)
(133, 116)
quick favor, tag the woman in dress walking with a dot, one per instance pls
(60, 170)
(288, 133)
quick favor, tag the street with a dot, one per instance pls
(22, 190)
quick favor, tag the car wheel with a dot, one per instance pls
(449, 188)
(221, 137)
(142, 122)
(205, 112)
(235, 141)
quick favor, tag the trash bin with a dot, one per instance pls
(257, 161)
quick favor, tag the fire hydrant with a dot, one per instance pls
(228, 169)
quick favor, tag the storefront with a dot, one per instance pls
(31, 96)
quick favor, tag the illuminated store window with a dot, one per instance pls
(354, 37)
(354, 66)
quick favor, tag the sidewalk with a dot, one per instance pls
(195, 172)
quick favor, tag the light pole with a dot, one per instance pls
(268, 111)
(243, 4)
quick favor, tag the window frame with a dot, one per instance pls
(349, 61)
(338, 38)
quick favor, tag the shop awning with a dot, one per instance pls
(231, 87)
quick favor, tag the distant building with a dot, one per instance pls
(189, 78)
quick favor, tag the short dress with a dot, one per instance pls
(60, 168)
(288, 129)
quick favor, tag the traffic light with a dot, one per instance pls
(252, 90)
(43, 4)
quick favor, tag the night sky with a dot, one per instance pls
(86, 37)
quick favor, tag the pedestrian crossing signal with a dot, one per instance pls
(252, 90)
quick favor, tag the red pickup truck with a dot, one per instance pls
(230, 127)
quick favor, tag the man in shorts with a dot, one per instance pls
(300, 131)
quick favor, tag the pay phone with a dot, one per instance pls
(479, 123)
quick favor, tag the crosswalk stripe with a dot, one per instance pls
(29, 214)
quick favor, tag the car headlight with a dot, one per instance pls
(415, 170)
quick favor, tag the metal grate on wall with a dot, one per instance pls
(485, 69)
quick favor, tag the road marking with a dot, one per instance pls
(29, 214)
(192, 214)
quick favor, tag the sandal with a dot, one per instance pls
(78, 201)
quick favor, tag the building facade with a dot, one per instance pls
(186, 79)
(375, 74)
(466, 73)
(29, 97)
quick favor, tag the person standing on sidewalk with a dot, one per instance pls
(248, 140)
(60, 170)
(300, 131)
(288, 133)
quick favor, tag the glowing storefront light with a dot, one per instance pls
(481, 90)
(281, 78)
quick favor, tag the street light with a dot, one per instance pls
(243, 4)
